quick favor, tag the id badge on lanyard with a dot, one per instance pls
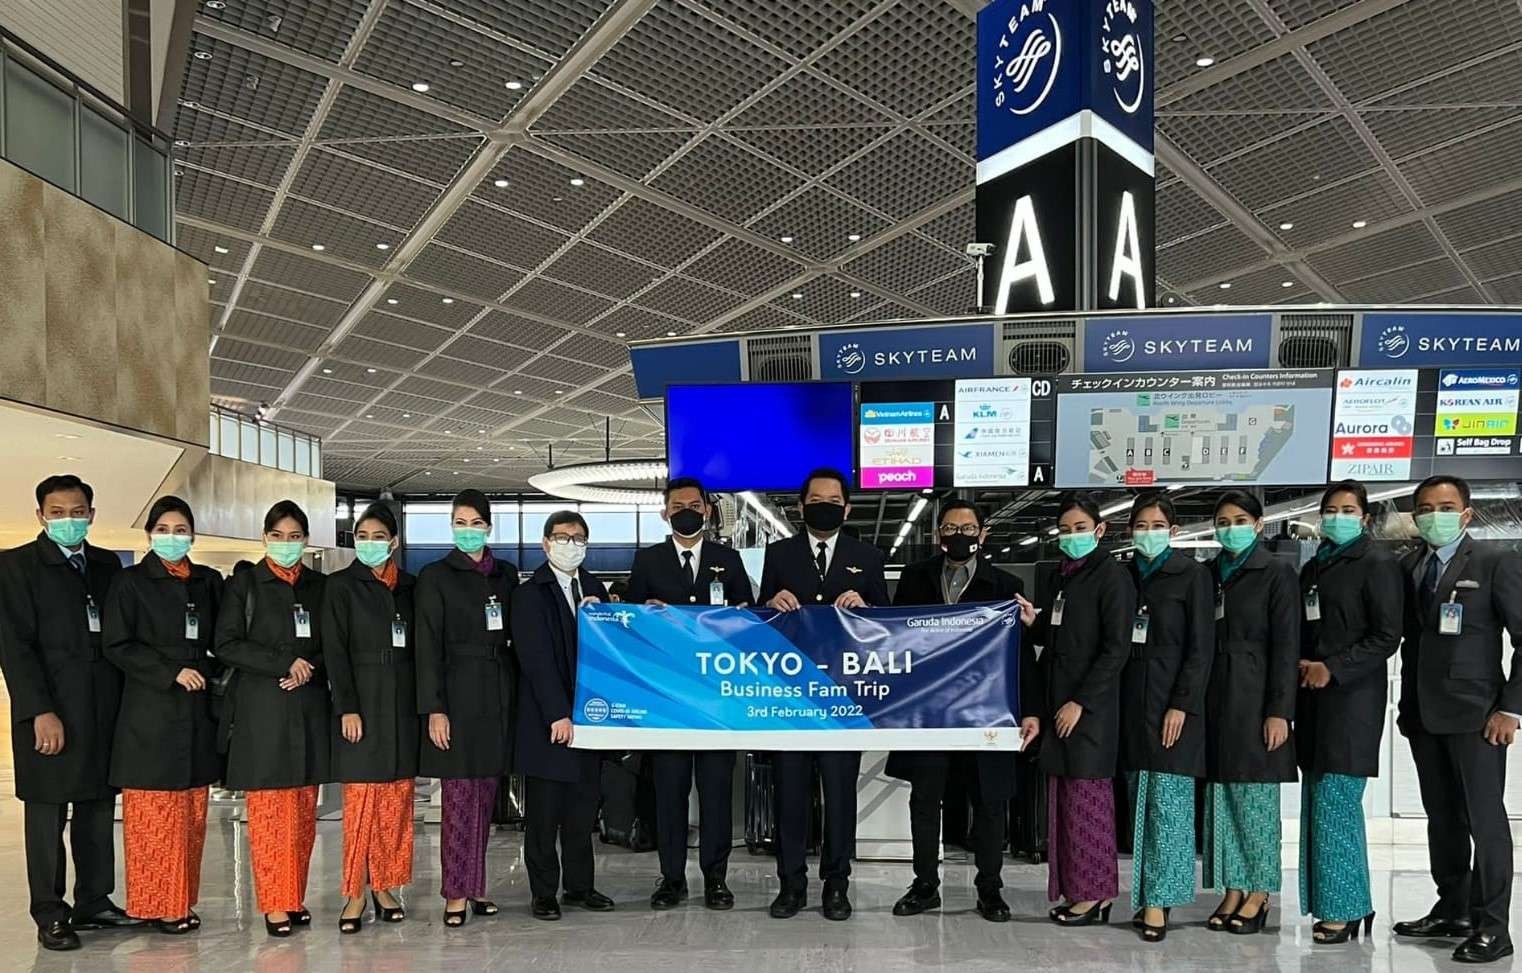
(493, 614)
(716, 593)
(303, 620)
(1139, 625)
(398, 633)
(1450, 617)
(192, 623)
(92, 615)
(1220, 604)
(1313, 605)
(1058, 606)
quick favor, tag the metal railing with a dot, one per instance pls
(238, 436)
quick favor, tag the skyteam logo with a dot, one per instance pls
(1118, 347)
(1394, 342)
(1121, 50)
(850, 358)
(1028, 60)
(595, 709)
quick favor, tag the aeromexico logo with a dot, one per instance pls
(1028, 59)
(1123, 55)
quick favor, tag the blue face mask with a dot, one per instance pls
(1341, 528)
(1078, 545)
(372, 554)
(1236, 538)
(68, 531)
(470, 539)
(1151, 543)
(171, 547)
(287, 554)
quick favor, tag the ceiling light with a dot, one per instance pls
(1226, 285)
(455, 472)
(406, 415)
(220, 249)
(578, 181)
(1360, 224)
(619, 334)
(856, 295)
(421, 87)
(448, 300)
(455, 62)
(369, 371)
(517, 391)
(499, 183)
(514, 86)
(1287, 283)
(480, 432)
(584, 481)
(1179, 38)
(65, 435)
(428, 472)
(181, 143)
(467, 460)
(69, 459)
(1203, 62)
(203, 55)
(557, 199)
(787, 239)
(1286, 226)
(1172, 300)
(480, 448)
(318, 247)
(797, 295)
(559, 391)
(671, 334)
(327, 371)
(215, 4)
(383, 246)
(496, 461)
(369, 415)
(211, 280)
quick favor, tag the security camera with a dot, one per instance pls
(980, 249)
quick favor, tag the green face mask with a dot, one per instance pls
(470, 539)
(1078, 545)
(1341, 528)
(1236, 538)
(1151, 543)
(171, 547)
(372, 554)
(1440, 527)
(287, 554)
(68, 531)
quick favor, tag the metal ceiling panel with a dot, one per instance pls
(632, 154)
(221, 200)
(400, 331)
(516, 330)
(314, 276)
(265, 356)
(309, 225)
(294, 305)
(904, 175)
(653, 233)
(593, 268)
(1372, 254)
(275, 331)
(492, 354)
(826, 300)
(1331, 212)
(1496, 259)
(366, 190)
(1182, 212)
(951, 296)
(1467, 166)
(203, 244)
(742, 267)
(1264, 176)
(1478, 223)
(906, 262)
(1406, 282)
(957, 228)
(629, 323)
(682, 297)
(562, 370)
(250, 87)
(797, 26)
(467, 373)
(443, 266)
(450, 313)
(500, 236)
(553, 26)
(318, 27)
(749, 184)
(820, 223)
(764, 318)
(241, 371)
(358, 348)
(1187, 31)
(264, 163)
(917, 74)
(1208, 255)
(546, 191)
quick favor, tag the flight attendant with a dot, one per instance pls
(1085, 631)
(367, 639)
(466, 680)
(1351, 597)
(159, 625)
(1250, 702)
(686, 569)
(277, 721)
(1162, 707)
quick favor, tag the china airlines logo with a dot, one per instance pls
(1028, 59)
(850, 358)
(1118, 347)
(1120, 45)
(1394, 342)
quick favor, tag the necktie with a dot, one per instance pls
(77, 562)
(1429, 578)
(687, 567)
(575, 593)
(820, 561)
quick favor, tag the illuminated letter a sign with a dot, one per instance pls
(1024, 233)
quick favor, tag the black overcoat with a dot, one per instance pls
(544, 638)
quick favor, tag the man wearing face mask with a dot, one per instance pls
(1460, 714)
(687, 570)
(561, 784)
(65, 696)
(820, 566)
(957, 576)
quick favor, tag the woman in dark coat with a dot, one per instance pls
(1249, 751)
(1351, 594)
(466, 679)
(277, 720)
(1085, 631)
(1162, 708)
(159, 622)
(367, 639)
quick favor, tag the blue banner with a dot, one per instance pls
(1437, 338)
(657, 366)
(949, 351)
(819, 678)
(1177, 343)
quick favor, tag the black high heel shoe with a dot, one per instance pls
(1098, 914)
(301, 917)
(194, 920)
(279, 930)
(1322, 935)
(484, 907)
(384, 914)
(1240, 925)
(454, 920)
(1219, 918)
(1154, 934)
(349, 925)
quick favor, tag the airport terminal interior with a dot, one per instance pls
(972, 254)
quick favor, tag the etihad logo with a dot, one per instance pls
(1028, 59)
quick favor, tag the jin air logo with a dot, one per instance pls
(850, 358)
(1122, 55)
(1118, 347)
(1394, 342)
(595, 709)
(1028, 59)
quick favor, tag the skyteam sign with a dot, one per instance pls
(1177, 343)
(1437, 338)
(953, 351)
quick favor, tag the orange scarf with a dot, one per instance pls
(179, 570)
(386, 573)
(288, 575)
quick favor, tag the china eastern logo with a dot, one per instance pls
(1123, 55)
(1394, 342)
(850, 358)
(1118, 347)
(1028, 59)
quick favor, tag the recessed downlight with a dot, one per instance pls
(421, 87)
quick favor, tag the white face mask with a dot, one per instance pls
(567, 557)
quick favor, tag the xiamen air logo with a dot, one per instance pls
(1120, 45)
(1028, 59)
(1394, 342)
(595, 709)
(850, 358)
(1118, 347)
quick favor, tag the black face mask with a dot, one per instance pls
(959, 547)
(687, 523)
(822, 517)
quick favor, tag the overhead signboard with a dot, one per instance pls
(1393, 339)
(949, 351)
(1374, 425)
(1177, 342)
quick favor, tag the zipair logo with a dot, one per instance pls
(1028, 60)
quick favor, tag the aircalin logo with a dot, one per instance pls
(1394, 342)
(1028, 59)
(1118, 347)
(850, 358)
(595, 709)
(1122, 56)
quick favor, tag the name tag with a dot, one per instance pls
(716, 592)
(303, 620)
(1139, 626)
(1220, 604)
(398, 634)
(1313, 605)
(92, 616)
(1057, 608)
(192, 624)
(493, 616)
(1450, 618)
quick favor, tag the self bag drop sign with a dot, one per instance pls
(819, 678)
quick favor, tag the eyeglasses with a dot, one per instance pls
(966, 530)
(562, 540)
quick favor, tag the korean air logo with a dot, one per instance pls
(1028, 60)
(850, 358)
(1118, 347)
(595, 709)
(1123, 56)
(1394, 342)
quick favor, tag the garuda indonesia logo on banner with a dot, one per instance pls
(1028, 59)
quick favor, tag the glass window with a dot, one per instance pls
(267, 446)
(229, 436)
(150, 193)
(317, 458)
(652, 529)
(427, 523)
(102, 163)
(39, 125)
(211, 436)
(303, 456)
(533, 519)
(249, 451)
(610, 523)
(287, 451)
(504, 523)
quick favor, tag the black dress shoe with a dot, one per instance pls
(921, 897)
(717, 896)
(110, 917)
(836, 906)
(991, 906)
(1483, 947)
(1434, 926)
(668, 895)
(787, 903)
(58, 936)
(591, 900)
(546, 908)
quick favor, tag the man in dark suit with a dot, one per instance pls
(820, 566)
(560, 784)
(957, 576)
(686, 569)
(1460, 714)
(64, 700)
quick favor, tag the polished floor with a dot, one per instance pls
(635, 939)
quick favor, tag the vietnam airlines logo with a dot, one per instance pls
(1028, 60)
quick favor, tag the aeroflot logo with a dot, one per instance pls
(1028, 59)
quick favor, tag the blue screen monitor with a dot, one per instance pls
(759, 436)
